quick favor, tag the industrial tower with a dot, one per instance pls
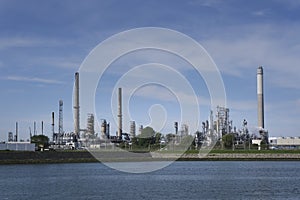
(260, 105)
(76, 107)
(260, 98)
(120, 113)
(132, 128)
(60, 121)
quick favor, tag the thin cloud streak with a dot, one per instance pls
(12, 42)
(236, 56)
(33, 79)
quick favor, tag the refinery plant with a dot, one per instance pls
(219, 128)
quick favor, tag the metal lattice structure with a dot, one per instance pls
(90, 124)
(10, 137)
(223, 123)
(132, 128)
(60, 121)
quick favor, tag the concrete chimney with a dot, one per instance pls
(260, 97)
(76, 106)
(42, 127)
(53, 133)
(120, 113)
(34, 128)
(16, 137)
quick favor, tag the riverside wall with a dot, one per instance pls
(16, 157)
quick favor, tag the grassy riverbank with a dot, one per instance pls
(242, 151)
(19, 157)
(23, 157)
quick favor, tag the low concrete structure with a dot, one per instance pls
(17, 146)
(258, 142)
(285, 142)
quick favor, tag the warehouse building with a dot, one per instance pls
(17, 146)
(284, 142)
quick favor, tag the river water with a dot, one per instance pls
(180, 180)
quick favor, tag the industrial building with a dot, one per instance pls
(220, 124)
(17, 146)
(284, 142)
(213, 129)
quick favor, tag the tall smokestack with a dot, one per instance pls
(42, 127)
(16, 137)
(60, 118)
(53, 133)
(34, 128)
(120, 113)
(260, 97)
(76, 106)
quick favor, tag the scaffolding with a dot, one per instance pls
(132, 128)
(10, 137)
(141, 129)
(90, 124)
(184, 130)
(222, 121)
(104, 129)
(60, 122)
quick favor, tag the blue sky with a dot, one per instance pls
(43, 43)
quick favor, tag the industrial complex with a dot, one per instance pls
(218, 128)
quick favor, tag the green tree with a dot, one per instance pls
(170, 137)
(228, 140)
(146, 137)
(147, 132)
(157, 138)
(40, 141)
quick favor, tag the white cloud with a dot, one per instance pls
(298, 103)
(33, 79)
(280, 56)
(282, 117)
(260, 13)
(290, 4)
(160, 39)
(60, 62)
(159, 93)
(206, 3)
(15, 41)
(242, 105)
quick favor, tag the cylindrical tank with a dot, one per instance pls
(176, 127)
(103, 126)
(132, 128)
